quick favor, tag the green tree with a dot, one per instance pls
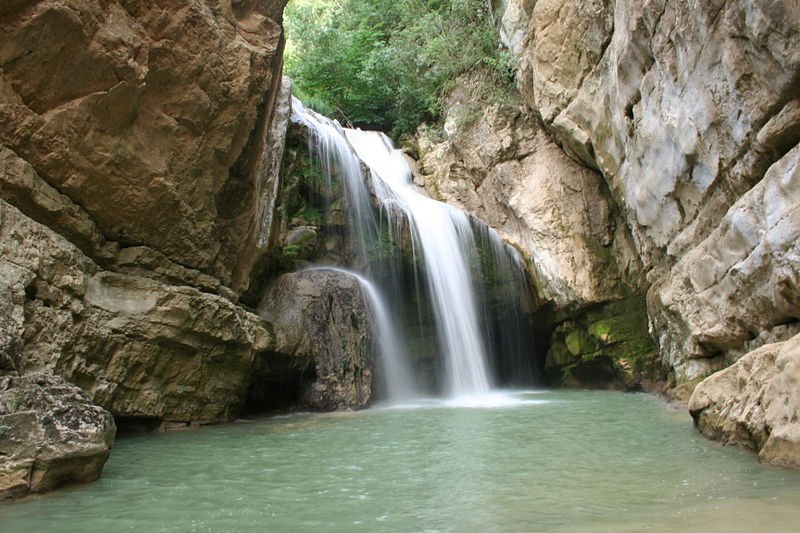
(388, 64)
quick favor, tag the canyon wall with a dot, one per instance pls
(688, 112)
(648, 166)
(140, 220)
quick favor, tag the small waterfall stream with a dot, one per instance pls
(441, 237)
(446, 240)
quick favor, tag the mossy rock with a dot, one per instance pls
(580, 343)
(607, 346)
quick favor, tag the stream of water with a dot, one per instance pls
(368, 166)
(549, 461)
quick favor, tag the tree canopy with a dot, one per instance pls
(388, 64)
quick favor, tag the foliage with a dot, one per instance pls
(388, 64)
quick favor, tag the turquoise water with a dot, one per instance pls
(540, 461)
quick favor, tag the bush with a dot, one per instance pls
(388, 64)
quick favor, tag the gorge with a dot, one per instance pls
(183, 243)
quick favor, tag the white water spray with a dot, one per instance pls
(445, 238)
(399, 384)
(441, 234)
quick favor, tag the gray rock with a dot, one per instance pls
(50, 435)
(321, 320)
(682, 109)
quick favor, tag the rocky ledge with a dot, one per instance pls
(755, 403)
(322, 324)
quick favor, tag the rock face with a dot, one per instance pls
(504, 168)
(138, 347)
(140, 154)
(689, 112)
(755, 403)
(151, 116)
(50, 434)
(323, 323)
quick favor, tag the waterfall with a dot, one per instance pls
(401, 386)
(445, 240)
(441, 237)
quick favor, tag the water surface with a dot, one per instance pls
(551, 461)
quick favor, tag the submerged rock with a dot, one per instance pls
(50, 434)
(755, 403)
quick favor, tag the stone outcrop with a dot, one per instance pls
(50, 434)
(138, 347)
(140, 153)
(150, 119)
(322, 322)
(682, 109)
(504, 168)
(755, 403)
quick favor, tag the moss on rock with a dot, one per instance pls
(606, 346)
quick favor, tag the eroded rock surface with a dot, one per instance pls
(503, 167)
(682, 107)
(151, 117)
(138, 347)
(50, 434)
(755, 403)
(322, 321)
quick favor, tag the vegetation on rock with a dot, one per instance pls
(389, 64)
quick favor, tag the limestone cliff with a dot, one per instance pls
(680, 122)
(689, 112)
(681, 125)
(149, 119)
(499, 163)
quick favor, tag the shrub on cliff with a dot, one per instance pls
(387, 64)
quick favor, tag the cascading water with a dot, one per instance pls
(401, 386)
(443, 238)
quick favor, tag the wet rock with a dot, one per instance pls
(755, 403)
(505, 169)
(322, 321)
(50, 434)
(606, 346)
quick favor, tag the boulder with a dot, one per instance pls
(322, 322)
(755, 403)
(50, 434)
